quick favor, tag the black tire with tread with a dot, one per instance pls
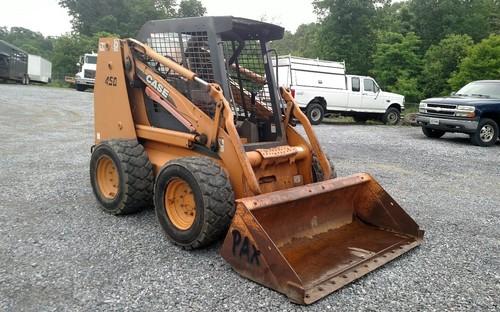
(135, 173)
(433, 133)
(486, 133)
(318, 171)
(213, 196)
(391, 116)
(315, 113)
(80, 87)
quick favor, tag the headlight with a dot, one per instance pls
(422, 107)
(465, 111)
(466, 108)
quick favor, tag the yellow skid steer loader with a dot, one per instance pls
(188, 118)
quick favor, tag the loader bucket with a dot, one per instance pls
(308, 241)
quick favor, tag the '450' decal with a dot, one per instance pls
(242, 248)
(111, 81)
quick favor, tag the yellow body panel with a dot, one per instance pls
(112, 114)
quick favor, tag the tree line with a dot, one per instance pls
(418, 48)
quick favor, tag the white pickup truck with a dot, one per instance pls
(322, 87)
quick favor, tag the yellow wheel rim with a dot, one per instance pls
(107, 177)
(179, 204)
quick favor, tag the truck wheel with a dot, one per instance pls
(318, 171)
(315, 113)
(121, 176)
(194, 201)
(433, 133)
(80, 87)
(391, 116)
(486, 133)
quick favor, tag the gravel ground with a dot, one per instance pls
(61, 252)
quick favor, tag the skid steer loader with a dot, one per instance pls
(188, 118)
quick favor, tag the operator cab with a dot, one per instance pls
(232, 52)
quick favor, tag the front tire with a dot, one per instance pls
(121, 176)
(80, 87)
(433, 133)
(486, 133)
(315, 113)
(318, 170)
(391, 116)
(194, 201)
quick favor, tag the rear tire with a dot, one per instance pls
(194, 201)
(433, 133)
(315, 113)
(121, 176)
(486, 133)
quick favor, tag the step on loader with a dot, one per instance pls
(189, 118)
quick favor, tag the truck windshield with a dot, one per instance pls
(489, 89)
(91, 59)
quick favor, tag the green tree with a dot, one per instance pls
(303, 43)
(3, 31)
(482, 62)
(409, 86)
(286, 45)
(125, 17)
(189, 8)
(347, 32)
(395, 17)
(69, 48)
(65, 55)
(397, 64)
(307, 38)
(440, 61)
(30, 41)
(436, 19)
(481, 18)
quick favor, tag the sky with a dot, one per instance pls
(48, 18)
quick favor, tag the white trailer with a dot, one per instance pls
(39, 69)
(322, 87)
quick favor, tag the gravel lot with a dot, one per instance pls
(61, 252)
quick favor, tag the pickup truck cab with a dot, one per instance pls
(322, 87)
(474, 110)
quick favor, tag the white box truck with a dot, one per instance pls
(39, 69)
(322, 87)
